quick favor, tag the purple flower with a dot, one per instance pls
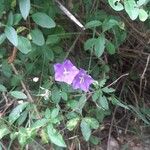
(82, 81)
(65, 72)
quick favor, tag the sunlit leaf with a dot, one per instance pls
(100, 45)
(43, 20)
(24, 6)
(11, 35)
(116, 5)
(15, 113)
(143, 15)
(55, 136)
(71, 124)
(18, 95)
(85, 129)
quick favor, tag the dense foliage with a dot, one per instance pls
(38, 104)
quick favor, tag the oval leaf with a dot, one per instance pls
(89, 44)
(24, 45)
(2, 88)
(16, 112)
(110, 48)
(24, 6)
(143, 15)
(131, 9)
(11, 35)
(103, 102)
(71, 124)
(43, 20)
(18, 95)
(3, 131)
(37, 37)
(2, 38)
(55, 136)
(100, 45)
(92, 24)
(85, 129)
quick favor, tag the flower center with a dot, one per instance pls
(65, 72)
(81, 79)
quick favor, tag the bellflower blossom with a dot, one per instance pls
(82, 81)
(65, 72)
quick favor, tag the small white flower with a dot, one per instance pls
(35, 79)
(20, 102)
(46, 93)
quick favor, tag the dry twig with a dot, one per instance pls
(143, 74)
(25, 89)
(126, 74)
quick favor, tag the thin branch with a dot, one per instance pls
(110, 129)
(25, 89)
(143, 74)
(68, 13)
(13, 55)
(22, 83)
(126, 74)
(73, 45)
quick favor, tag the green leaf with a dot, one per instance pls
(139, 114)
(81, 104)
(108, 90)
(110, 47)
(93, 24)
(16, 79)
(54, 113)
(43, 20)
(24, 45)
(47, 113)
(10, 19)
(85, 129)
(102, 82)
(103, 102)
(18, 95)
(131, 9)
(17, 18)
(109, 24)
(16, 112)
(1, 146)
(3, 131)
(55, 136)
(39, 123)
(141, 2)
(116, 5)
(64, 96)
(26, 135)
(2, 38)
(37, 37)
(52, 39)
(24, 6)
(89, 44)
(92, 122)
(96, 95)
(22, 118)
(6, 69)
(48, 53)
(143, 15)
(11, 35)
(94, 140)
(71, 124)
(56, 96)
(117, 102)
(100, 45)
(2, 88)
